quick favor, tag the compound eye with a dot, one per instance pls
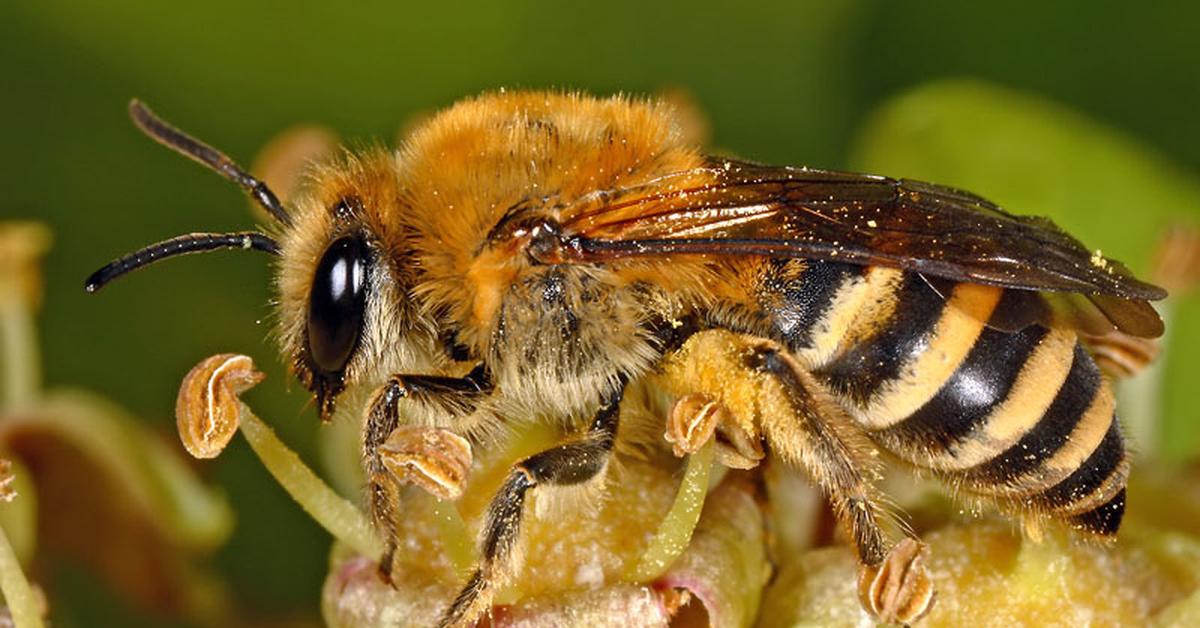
(336, 304)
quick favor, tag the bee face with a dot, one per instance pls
(345, 313)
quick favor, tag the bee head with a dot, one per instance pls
(346, 314)
(343, 279)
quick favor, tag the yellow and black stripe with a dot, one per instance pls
(1022, 417)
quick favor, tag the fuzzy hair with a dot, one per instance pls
(555, 338)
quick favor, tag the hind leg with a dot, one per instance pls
(744, 389)
(808, 429)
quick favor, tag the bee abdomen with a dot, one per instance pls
(1069, 459)
(1092, 498)
(1028, 421)
(801, 298)
(1023, 418)
(905, 342)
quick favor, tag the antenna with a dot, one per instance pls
(162, 132)
(181, 245)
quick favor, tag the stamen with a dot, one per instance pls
(223, 378)
(20, 596)
(675, 532)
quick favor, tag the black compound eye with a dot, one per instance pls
(336, 304)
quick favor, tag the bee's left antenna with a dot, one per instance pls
(162, 132)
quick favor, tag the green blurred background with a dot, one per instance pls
(826, 83)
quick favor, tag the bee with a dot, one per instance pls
(526, 256)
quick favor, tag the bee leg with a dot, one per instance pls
(563, 465)
(1121, 355)
(382, 418)
(801, 433)
(444, 396)
(448, 395)
(812, 431)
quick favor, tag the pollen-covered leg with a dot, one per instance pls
(564, 465)
(807, 428)
(437, 460)
(1122, 355)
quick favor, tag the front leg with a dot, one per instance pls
(436, 395)
(567, 464)
(432, 458)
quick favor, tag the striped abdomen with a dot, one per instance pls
(1022, 417)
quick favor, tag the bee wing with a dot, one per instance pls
(738, 208)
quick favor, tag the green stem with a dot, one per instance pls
(455, 537)
(22, 602)
(341, 518)
(675, 531)
(21, 363)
